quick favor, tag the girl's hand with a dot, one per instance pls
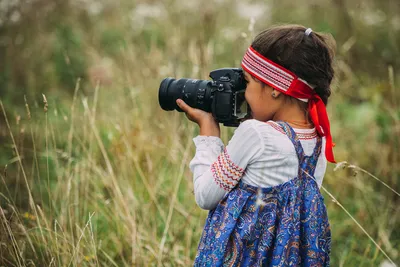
(207, 123)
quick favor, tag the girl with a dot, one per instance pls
(262, 189)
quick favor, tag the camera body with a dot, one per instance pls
(223, 96)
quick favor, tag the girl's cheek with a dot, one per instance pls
(246, 95)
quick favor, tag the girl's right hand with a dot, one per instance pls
(207, 123)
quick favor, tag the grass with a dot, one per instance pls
(99, 176)
(120, 194)
(88, 193)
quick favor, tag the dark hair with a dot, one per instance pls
(309, 57)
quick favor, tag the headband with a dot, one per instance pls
(288, 83)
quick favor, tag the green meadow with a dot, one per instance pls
(94, 173)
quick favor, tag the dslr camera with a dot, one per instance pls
(223, 96)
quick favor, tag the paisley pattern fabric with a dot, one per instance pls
(285, 225)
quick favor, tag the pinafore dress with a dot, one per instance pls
(284, 225)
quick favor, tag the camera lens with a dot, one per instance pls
(195, 93)
(166, 102)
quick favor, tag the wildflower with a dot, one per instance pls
(29, 216)
(89, 258)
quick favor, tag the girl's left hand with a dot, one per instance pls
(207, 123)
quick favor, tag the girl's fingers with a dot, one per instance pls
(185, 107)
(193, 114)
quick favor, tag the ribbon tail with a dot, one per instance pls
(320, 119)
(324, 121)
(329, 149)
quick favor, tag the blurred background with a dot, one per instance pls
(94, 173)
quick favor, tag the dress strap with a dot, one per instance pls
(308, 163)
(294, 138)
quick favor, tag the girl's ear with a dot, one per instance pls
(275, 93)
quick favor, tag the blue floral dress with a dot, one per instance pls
(284, 225)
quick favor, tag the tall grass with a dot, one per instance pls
(120, 194)
(99, 176)
(99, 207)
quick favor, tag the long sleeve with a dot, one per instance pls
(216, 170)
(207, 150)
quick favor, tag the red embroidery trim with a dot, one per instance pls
(301, 136)
(225, 172)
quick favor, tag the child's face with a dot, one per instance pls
(259, 97)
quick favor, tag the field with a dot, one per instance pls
(94, 173)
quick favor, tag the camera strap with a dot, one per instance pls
(288, 83)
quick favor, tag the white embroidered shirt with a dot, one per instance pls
(259, 153)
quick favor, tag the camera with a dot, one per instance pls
(223, 96)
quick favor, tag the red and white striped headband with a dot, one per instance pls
(288, 83)
(276, 76)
